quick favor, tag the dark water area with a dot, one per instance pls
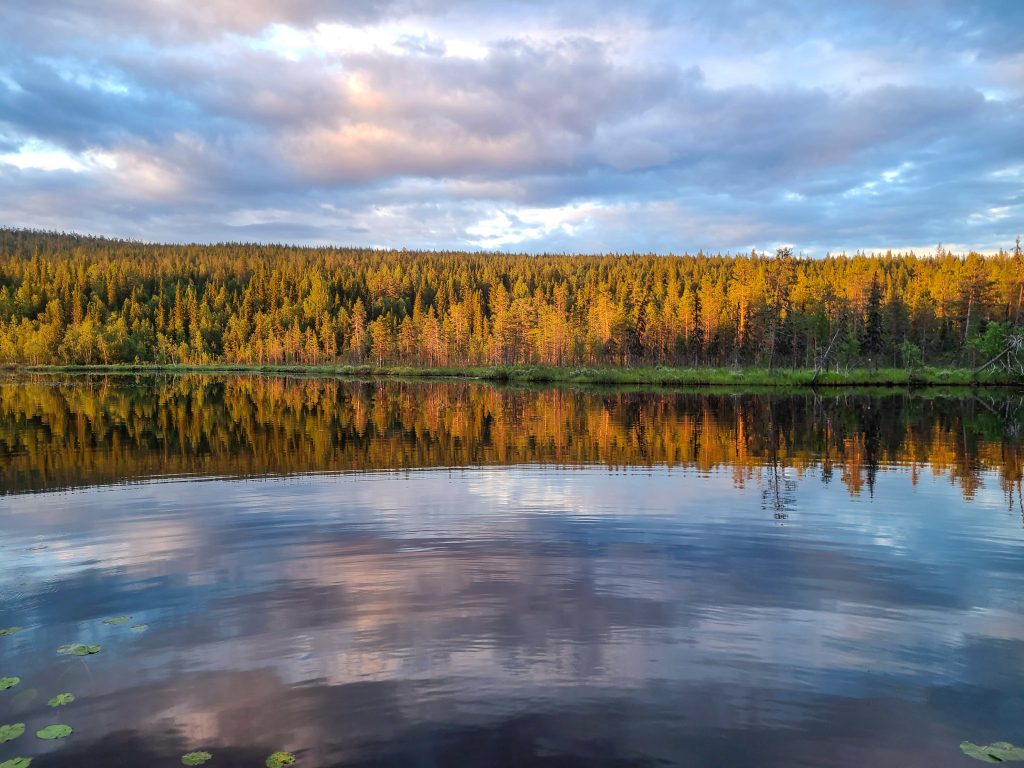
(454, 574)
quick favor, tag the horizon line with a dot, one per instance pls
(924, 252)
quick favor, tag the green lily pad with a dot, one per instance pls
(8, 682)
(11, 732)
(117, 620)
(279, 759)
(58, 731)
(61, 699)
(17, 762)
(195, 758)
(139, 627)
(78, 649)
(999, 752)
(10, 631)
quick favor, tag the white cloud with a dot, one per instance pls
(39, 155)
(518, 225)
(569, 126)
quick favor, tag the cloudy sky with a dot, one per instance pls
(562, 125)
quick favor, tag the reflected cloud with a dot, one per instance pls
(607, 586)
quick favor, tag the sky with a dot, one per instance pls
(518, 125)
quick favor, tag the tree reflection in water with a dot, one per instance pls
(68, 431)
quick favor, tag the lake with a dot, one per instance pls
(455, 574)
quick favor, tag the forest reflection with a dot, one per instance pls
(69, 431)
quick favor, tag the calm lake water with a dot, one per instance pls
(453, 574)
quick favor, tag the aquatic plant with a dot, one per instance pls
(61, 699)
(10, 631)
(195, 758)
(11, 732)
(139, 627)
(117, 620)
(78, 649)
(17, 762)
(57, 731)
(998, 752)
(280, 759)
(8, 682)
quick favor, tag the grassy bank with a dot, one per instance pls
(651, 376)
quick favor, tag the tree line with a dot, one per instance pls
(71, 299)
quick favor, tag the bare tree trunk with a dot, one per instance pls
(822, 364)
(967, 323)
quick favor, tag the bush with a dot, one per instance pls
(911, 355)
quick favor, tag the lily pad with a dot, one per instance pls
(11, 732)
(17, 762)
(78, 649)
(61, 699)
(58, 731)
(8, 682)
(195, 758)
(279, 759)
(999, 752)
(10, 631)
(139, 627)
(117, 620)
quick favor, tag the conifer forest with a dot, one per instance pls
(68, 299)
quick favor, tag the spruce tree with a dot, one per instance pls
(871, 342)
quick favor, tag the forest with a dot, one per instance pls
(68, 299)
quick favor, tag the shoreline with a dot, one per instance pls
(604, 376)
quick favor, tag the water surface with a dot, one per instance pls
(440, 574)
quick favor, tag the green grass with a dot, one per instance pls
(649, 376)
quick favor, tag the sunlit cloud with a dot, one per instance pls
(562, 126)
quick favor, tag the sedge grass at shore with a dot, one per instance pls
(656, 376)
